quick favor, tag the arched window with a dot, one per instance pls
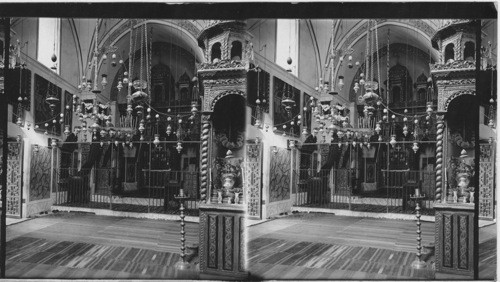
(216, 53)
(469, 51)
(396, 94)
(422, 94)
(449, 52)
(162, 84)
(236, 51)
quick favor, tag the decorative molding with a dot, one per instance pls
(228, 242)
(454, 82)
(486, 183)
(438, 227)
(212, 241)
(243, 249)
(448, 240)
(459, 65)
(223, 82)
(222, 94)
(14, 179)
(222, 65)
(463, 246)
(203, 239)
(253, 179)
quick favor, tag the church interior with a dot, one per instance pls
(229, 130)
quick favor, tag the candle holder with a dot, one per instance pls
(182, 264)
(418, 263)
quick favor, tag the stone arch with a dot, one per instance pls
(187, 27)
(455, 95)
(236, 50)
(215, 51)
(223, 94)
(449, 52)
(469, 53)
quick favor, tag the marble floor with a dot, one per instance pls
(76, 245)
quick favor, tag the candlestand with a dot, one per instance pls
(182, 264)
(418, 263)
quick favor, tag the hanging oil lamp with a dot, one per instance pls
(350, 62)
(113, 62)
(356, 87)
(393, 141)
(179, 147)
(429, 108)
(340, 83)
(119, 86)
(125, 78)
(415, 147)
(304, 131)
(194, 109)
(104, 80)
(156, 141)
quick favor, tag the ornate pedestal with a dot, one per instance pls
(455, 238)
(222, 242)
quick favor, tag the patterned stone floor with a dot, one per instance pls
(29, 257)
(70, 245)
(325, 246)
(275, 259)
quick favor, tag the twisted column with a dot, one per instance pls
(439, 156)
(205, 134)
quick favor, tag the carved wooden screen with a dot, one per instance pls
(14, 179)
(253, 180)
(486, 181)
(279, 182)
(40, 173)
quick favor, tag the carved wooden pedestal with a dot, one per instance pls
(455, 238)
(222, 242)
